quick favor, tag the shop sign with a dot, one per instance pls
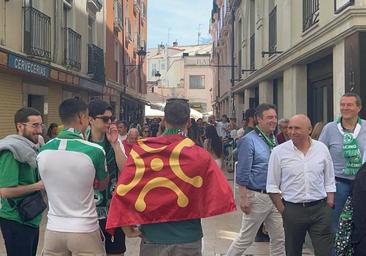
(27, 66)
(89, 85)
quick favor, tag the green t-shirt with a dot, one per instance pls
(177, 232)
(14, 173)
(103, 198)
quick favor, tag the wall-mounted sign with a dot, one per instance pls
(28, 66)
(90, 85)
(340, 5)
(197, 62)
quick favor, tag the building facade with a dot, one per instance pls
(126, 36)
(185, 71)
(53, 50)
(300, 55)
(133, 97)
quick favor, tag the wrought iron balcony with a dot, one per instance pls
(118, 19)
(72, 51)
(310, 13)
(136, 6)
(37, 33)
(95, 5)
(96, 63)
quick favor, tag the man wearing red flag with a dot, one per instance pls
(167, 186)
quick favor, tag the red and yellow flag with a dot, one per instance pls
(168, 178)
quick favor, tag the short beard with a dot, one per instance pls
(27, 136)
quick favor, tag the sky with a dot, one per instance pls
(178, 20)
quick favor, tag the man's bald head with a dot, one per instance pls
(302, 120)
(299, 129)
(132, 136)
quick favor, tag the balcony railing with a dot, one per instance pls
(95, 5)
(118, 19)
(96, 63)
(273, 30)
(310, 13)
(37, 33)
(72, 49)
(136, 6)
(252, 52)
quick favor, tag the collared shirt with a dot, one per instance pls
(221, 129)
(253, 157)
(301, 178)
(333, 139)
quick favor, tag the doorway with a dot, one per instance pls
(37, 102)
(320, 90)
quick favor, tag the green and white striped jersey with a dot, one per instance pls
(68, 166)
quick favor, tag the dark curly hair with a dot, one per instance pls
(214, 141)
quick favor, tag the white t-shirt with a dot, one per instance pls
(68, 168)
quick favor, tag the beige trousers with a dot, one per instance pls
(262, 210)
(75, 244)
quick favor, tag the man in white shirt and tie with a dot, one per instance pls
(301, 184)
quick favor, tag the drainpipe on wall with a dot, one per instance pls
(3, 39)
(232, 38)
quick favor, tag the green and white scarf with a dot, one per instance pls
(169, 131)
(351, 150)
(270, 141)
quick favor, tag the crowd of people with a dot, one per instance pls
(297, 179)
(300, 181)
(78, 165)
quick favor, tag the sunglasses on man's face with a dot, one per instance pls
(105, 119)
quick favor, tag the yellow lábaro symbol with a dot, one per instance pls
(140, 170)
(182, 199)
(149, 149)
(175, 165)
(156, 165)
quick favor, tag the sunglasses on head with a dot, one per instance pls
(105, 119)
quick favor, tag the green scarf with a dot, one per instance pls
(271, 142)
(351, 150)
(70, 133)
(169, 131)
(103, 198)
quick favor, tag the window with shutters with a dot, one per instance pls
(196, 82)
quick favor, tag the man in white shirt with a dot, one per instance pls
(70, 168)
(122, 127)
(301, 184)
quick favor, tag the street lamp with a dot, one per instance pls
(157, 76)
(141, 53)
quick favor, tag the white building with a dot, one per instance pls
(305, 53)
(185, 71)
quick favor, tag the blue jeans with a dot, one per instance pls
(19, 239)
(344, 189)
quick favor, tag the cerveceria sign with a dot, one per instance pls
(27, 66)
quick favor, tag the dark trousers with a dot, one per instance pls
(20, 240)
(316, 220)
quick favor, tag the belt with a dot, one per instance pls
(263, 191)
(306, 204)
